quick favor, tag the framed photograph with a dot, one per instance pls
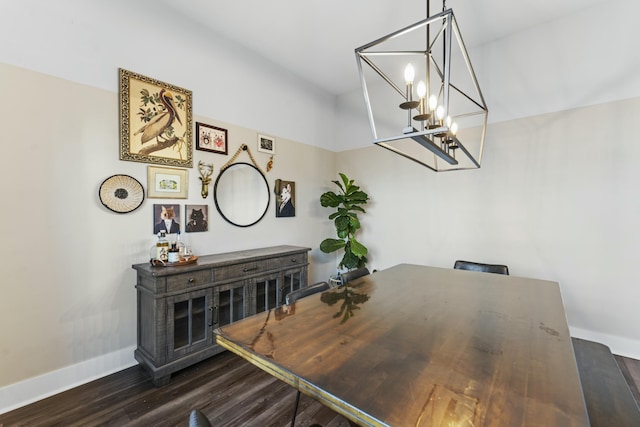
(267, 144)
(211, 138)
(167, 183)
(197, 217)
(155, 121)
(167, 218)
(285, 198)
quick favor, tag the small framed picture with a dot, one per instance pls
(285, 198)
(267, 144)
(197, 217)
(167, 218)
(167, 183)
(211, 138)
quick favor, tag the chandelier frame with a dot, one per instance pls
(444, 152)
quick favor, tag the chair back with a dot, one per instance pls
(484, 268)
(354, 274)
(293, 296)
(198, 419)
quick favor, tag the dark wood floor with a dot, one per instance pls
(229, 390)
(631, 370)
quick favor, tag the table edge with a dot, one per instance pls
(327, 399)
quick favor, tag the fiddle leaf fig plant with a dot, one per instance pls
(348, 203)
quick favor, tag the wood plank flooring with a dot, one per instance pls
(631, 370)
(226, 388)
(229, 390)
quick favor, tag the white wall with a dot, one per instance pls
(573, 61)
(583, 59)
(555, 199)
(87, 41)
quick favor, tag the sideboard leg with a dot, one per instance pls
(161, 381)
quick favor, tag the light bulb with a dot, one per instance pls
(448, 121)
(440, 112)
(409, 74)
(433, 102)
(454, 128)
(422, 89)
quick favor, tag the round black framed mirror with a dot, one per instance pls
(241, 194)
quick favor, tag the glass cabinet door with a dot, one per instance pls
(266, 293)
(293, 280)
(230, 303)
(188, 322)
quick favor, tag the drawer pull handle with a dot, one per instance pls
(191, 280)
(249, 269)
(294, 260)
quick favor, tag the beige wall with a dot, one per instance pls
(68, 290)
(556, 198)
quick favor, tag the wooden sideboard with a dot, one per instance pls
(179, 307)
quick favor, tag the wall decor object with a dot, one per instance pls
(121, 193)
(167, 183)
(197, 217)
(155, 121)
(267, 144)
(166, 217)
(206, 169)
(241, 192)
(211, 138)
(285, 198)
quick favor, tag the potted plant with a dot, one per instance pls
(348, 203)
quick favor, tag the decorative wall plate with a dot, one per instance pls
(121, 193)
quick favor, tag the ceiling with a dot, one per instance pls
(315, 39)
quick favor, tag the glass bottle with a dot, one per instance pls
(173, 255)
(162, 247)
(180, 244)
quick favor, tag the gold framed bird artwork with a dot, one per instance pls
(155, 121)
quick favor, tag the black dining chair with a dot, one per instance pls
(293, 296)
(353, 274)
(198, 419)
(290, 298)
(318, 287)
(484, 268)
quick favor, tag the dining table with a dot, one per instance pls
(415, 345)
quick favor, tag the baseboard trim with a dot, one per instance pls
(618, 345)
(37, 388)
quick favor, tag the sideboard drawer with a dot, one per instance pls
(294, 260)
(188, 280)
(247, 269)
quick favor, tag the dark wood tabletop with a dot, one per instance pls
(424, 346)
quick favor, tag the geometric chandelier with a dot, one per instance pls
(422, 96)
